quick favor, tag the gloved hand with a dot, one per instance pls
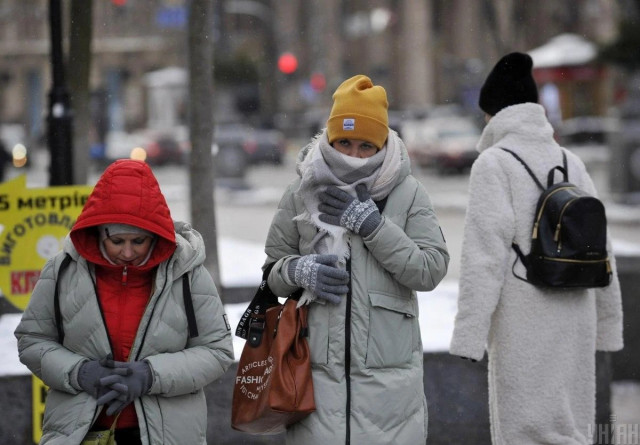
(319, 274)
(91, 372)
(129, 381)
(339, 208)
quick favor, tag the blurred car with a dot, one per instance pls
(260, 145)
(237, 146)
(446, 143)
(145, 145)
(164, 150)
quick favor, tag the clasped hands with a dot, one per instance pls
(115, 383)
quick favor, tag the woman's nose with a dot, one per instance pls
(127, 251)
(352, 151)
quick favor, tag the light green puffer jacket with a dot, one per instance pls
(174, 411)
(367, 354)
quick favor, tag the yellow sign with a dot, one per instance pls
(38, 398)
(34, 223)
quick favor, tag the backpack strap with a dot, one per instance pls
(523, 258)
(188, 307)
(56, 298)
(533, 176)
(519, 254)
(564, 170)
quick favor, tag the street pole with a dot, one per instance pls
(59, 119)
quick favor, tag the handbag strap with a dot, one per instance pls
(251, 323)
(115, 422)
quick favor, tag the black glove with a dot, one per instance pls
(319, 274)
(91, 372)
(129, 381)
(339, 208)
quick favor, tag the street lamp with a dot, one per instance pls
(59, 134)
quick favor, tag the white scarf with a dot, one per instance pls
(323, 166)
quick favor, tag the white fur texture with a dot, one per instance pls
(541, 343)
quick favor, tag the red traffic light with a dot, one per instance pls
(287, 63)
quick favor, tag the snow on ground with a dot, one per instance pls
(242, 267)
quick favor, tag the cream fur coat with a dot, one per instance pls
(541, 343)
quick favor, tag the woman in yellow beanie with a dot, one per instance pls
(357, 232)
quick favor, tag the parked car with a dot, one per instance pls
(164, 150)
(146, 145)
(260, 145)
(237, 146)
(446, 143)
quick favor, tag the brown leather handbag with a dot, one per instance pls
(273, 386)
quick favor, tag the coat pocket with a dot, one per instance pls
(318, 320)
(390, 342)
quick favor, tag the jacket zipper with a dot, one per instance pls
(569, 260)
(534, 235)
(144, 336)
(347, 359)
(556, 236)
(125, 274)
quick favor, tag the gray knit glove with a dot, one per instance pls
(132, 381)
(319, 274)
(90, 373)
(339, 208)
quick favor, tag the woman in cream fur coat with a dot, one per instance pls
(541, 342)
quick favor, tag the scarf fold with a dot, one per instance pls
(323, 166)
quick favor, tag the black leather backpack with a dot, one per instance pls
(569, 237)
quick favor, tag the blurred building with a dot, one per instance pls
(130, 39)
(425, 52)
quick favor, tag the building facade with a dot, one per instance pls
(425, 52)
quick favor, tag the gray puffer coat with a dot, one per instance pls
(367, 356)
(174, 411)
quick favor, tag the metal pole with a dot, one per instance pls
(59, 119)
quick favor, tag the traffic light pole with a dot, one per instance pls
(59, 119)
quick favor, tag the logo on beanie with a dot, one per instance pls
(349, 124)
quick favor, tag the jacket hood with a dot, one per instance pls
(126, 193)
(190, 250)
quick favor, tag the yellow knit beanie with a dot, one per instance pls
(359, 112)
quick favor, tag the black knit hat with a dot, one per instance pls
(509, 83)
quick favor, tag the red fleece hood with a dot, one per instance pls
(126, 193)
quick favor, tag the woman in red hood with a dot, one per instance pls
(124, 341)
